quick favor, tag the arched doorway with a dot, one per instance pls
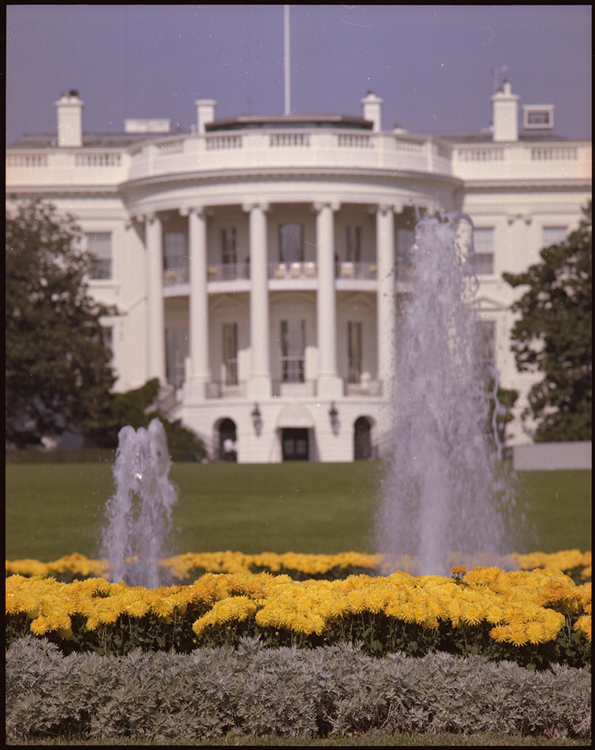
(227, 440)
(362, 439)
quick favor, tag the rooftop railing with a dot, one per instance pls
(294, 149)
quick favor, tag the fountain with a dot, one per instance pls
(445, 496)
(139, 514)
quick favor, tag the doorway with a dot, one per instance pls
(294, 443)
(227, 441)
(362, 440)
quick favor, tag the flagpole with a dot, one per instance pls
(286, 60)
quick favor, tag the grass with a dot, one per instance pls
(56, 509)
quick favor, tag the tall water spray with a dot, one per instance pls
(139, 514)
(445, 497)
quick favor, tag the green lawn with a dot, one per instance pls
(57, 509)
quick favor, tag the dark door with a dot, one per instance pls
(295, 444)
(362, 440)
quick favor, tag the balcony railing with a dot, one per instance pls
(356, 271)
(173, 276)
(292, 270)
(278, 271)
(228, 272)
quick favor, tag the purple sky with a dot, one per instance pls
(432, 65)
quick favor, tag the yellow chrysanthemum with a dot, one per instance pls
(40, 625)
(107, 615)
(472, 614)
(137, 608)
(499, 633)
(583, 625)
(162, 606)
(536, 632)
(517, 634)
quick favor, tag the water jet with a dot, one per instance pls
(139, 513)
(445, 497)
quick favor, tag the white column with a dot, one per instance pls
(198, 375)
(259, 383)
(386, 303)
(329, 382)
(155, 313)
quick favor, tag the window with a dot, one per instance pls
(293, 346)
(483, 257)
(230, 353)
(228, 245)
(353, 243)
(176, 351)
(538, 116)
(553, 235)
(99, 246)
(291, 245)
(354, 351)
(486, 342)
(175, 257)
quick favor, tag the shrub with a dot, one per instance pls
(255, 690)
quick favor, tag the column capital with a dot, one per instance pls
(135, 219)
(255, 206)
(319, 205)
(187, 210)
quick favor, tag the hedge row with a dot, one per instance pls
(287, 692)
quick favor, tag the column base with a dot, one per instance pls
(259, 388)
(194, 390)
(330, 386)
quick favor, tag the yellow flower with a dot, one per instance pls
(107, 615)
(536, 632)
(472, 614)
(40, 625)
(583, 625)
(92, 623)
(137, 608)
(162, 606)
(516, 634)
(499, 633)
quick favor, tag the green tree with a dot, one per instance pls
(137, 408)
(553, 336)
(58, 372)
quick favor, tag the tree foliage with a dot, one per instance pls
(137, 408)
(58, 372)
(553, 336)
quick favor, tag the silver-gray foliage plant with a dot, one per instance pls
(259, 691)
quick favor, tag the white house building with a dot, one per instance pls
(257, 262)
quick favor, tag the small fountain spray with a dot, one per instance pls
(445, 497)
(139, 514)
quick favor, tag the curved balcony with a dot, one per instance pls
(316, 149)
(304, 275)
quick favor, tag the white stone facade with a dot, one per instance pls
(257, 263)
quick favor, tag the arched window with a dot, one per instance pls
(362, 439)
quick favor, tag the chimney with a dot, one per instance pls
(371, 105)
(205, 113)
(505, 114)
(70, 120)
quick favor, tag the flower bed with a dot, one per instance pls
(536, 618)
(187, 567)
